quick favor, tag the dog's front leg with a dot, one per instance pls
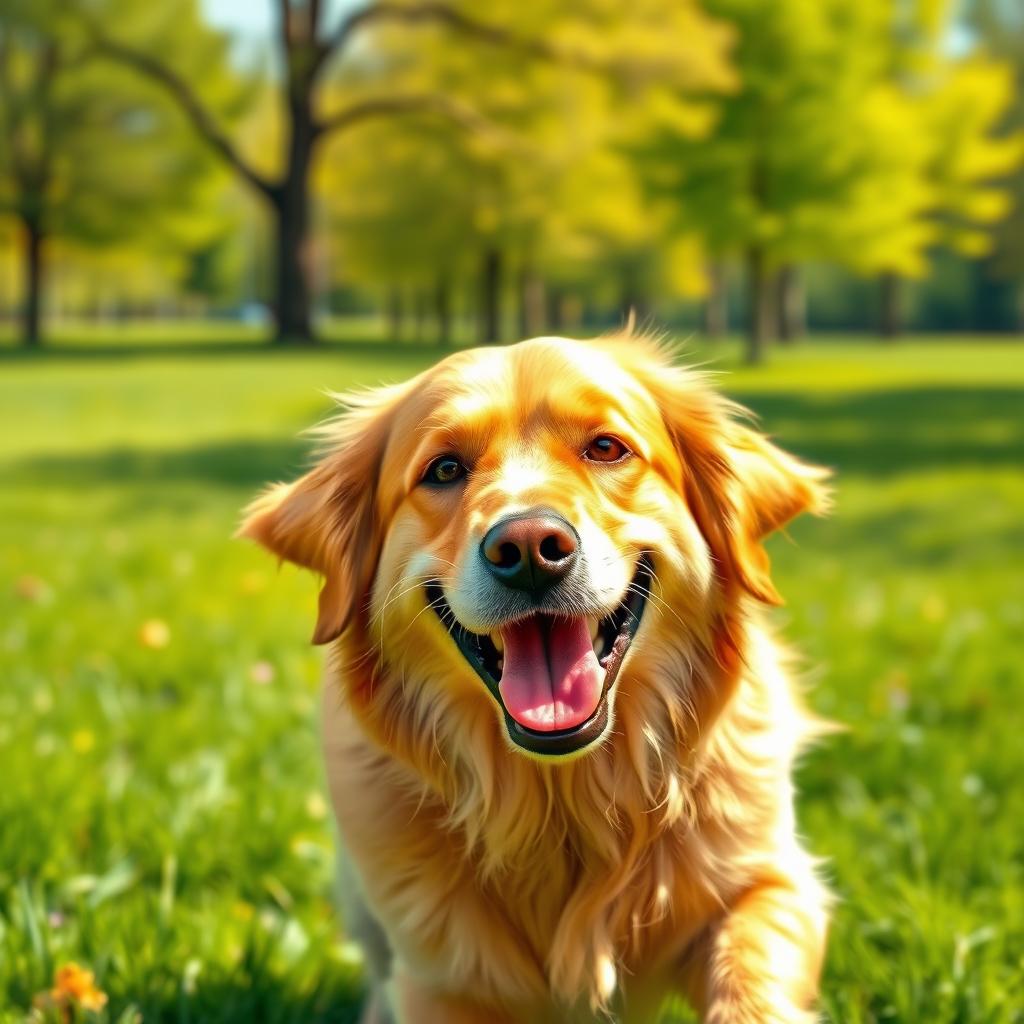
(418, 1003)
(759, 963)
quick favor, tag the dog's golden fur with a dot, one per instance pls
(496, 886)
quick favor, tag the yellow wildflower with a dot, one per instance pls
(74, 987)
(82, 741)
(155, 634)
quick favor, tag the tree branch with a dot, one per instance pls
(284, 16)
(426, 103)
(314, 19)
(190, 104)
(31, 148)
(440, 13)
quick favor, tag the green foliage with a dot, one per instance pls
(999, 25)
(91, 156)
(777, 155)
(611, 150)
(540, 173)
(849, 139)
(162, 808)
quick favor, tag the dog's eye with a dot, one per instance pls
(606, 449)
(445, 470)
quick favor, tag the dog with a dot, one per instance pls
(558, 730)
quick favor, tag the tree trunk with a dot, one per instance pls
(490, 296)
(792, 304)
(443, 309)
(633, 303)
(293, 292)
(890, 323)
(31, 317)
(761, 326)
(396, 317)
(573, 310)
(555, 310)
(531, 303)
(716, 305)
(419, 315)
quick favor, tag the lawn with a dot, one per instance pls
(161, 812)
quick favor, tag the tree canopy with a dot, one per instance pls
(439, 156)
(91, 160)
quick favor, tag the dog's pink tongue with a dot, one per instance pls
(550, 682)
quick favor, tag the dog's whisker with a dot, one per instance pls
(658, 602)
(415, 582)
(435, 604)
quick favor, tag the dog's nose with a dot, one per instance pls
(531, 551)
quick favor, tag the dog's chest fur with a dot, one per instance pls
(559, 883)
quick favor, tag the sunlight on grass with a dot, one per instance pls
(163, 823)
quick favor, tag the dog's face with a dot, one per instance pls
(524, 526)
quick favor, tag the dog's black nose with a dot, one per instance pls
(531, 551)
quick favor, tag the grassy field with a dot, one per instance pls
(161, 812)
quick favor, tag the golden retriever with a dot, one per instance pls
(559, 733)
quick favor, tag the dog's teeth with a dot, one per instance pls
(501, 664)
(498, 642)
(595, 627)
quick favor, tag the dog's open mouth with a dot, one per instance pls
(551, 674)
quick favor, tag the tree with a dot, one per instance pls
(854, 138)
(781, 158)
(402, 211)
(86, 159)
(309, 49)
(956, 109)
(545, 203)
(999, 28)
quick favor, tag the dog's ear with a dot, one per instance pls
(326, 520)
(739, 486)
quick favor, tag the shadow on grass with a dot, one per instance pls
(258, 988)
(254, 997)
(192, 350)
(879, 434)
(920, 536)
(260, 999)
(889, 433)
(248, 463)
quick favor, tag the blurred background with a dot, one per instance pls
(434, 172)
(211, 211)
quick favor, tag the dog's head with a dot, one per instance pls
(524, 529)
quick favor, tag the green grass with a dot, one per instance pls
(161, 817)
